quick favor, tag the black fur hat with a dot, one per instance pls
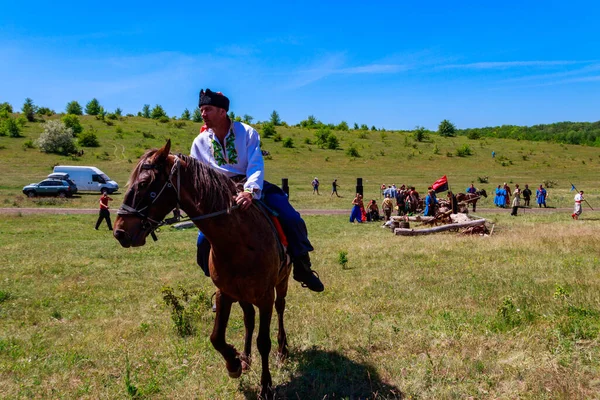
(210, 98)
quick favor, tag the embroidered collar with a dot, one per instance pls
(228, 155)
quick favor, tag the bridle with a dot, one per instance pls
(153, 224)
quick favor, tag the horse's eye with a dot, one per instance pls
(142, 185)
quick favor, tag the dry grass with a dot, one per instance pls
(515, 315)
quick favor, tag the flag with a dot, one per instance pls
(441, 185)
(573, 187)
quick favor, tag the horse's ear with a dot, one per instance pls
(162, 153)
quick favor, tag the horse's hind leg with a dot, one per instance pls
(249, 315)
(263, 342)
(281, 290)
(217, 338)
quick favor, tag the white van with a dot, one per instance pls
(88, 178)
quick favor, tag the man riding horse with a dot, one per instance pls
(233, 148)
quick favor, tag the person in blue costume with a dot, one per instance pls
(541, 194)
(430, 203)
(233, 148)
(356, 213)
(471, 189)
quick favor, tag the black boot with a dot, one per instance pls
(305, 275)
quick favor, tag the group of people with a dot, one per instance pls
(360, 213)
(334, 186)
(503, 195)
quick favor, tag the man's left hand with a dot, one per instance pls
(244, 200)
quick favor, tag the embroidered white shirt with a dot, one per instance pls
(240, 154)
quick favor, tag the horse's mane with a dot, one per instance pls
(214, 189)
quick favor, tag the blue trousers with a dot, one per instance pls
(291, 222)
(356, 214)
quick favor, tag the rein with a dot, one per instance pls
(154, 224)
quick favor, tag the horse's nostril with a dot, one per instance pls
(122, 237)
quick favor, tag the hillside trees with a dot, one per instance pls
(146, 111)
(56, 138)
(9, 126)
(185, 115)
(197, 116)
(343, 126)
(73, 107)
(247, 119)
(29, 109)
(446, 129)
(92, 107)
(275, 119)
(6, 107)
(158, 112)
(72, 121)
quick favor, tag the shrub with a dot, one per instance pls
(277, 137)
(147, 135)
(118, 129)
(45, 111)
(146, 111)
(179, 124)
(185, 310)
(6, 107)
(93, 107)
(186, 116)
(9, 127)
(482, 179)
(118, 112)
(473, 134)
(420, 134)
(89, 139)
(363, 135)
(332, 142)
(74, 108)
(343, 126)
(322, 134)
(288, 143)
(436, 149)
(72, 121)
(56, 138)
(352, 151)
(29, 144)
(163, 119)
(464, 151)
(307, 141)
(343, 258)
(112, 116)
(268, 130)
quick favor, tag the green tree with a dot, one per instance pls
(118, 112)
(197, 116)
(310, 122)
(364, 127)
(247, 119)
(72, 121)
(45, 111)
(29, 109)
(268, 130)
(332, 142)
(146, 111)
(343, 126)
(275, 120)
(6, 107)
(56, 138)
(185, 115)
(158, 112)
(420, 134)
(446, 129)
(89, 138)
(74, 108)
(288, 143)
(322, 134)
(355, 126)
(93, 107)
(10, 127)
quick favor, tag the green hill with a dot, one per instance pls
(379, 157)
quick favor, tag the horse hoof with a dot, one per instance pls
(267, 394)
(246, 362)
(236, 374)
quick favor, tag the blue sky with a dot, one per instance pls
(393, 64)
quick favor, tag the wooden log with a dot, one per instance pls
(436, 229)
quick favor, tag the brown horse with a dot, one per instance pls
(245, 261)
(471, 197)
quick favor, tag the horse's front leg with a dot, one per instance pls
(249, 321)
(263, 342)
(217, 338)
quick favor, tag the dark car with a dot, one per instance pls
(51, 187)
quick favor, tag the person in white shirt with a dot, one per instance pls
(578, 208)
(233, 148)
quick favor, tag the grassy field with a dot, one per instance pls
(385, 157)
(514, 315)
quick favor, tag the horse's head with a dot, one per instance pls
(149, 198)
(482, 192)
